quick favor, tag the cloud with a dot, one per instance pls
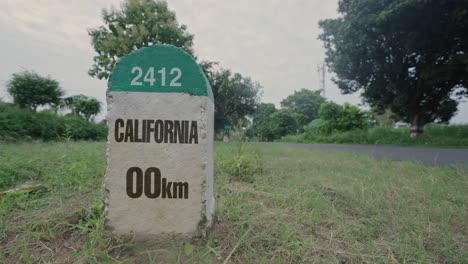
(272, 41)
(55, 23)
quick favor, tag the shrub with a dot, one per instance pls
(342, 118)
(434, 135)
(18, 124)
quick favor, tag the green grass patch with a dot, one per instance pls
(302, 206)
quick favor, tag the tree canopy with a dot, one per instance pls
(263, 124)
(305, 103)
(81, 105)
(342, 118)
(408, 56)
(235, 96)
(30, 90)
(139, 23)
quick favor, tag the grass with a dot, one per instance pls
(303, 206)
(433, 136)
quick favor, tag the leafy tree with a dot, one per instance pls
(305, 103)
(81, 105)
(384, 118)
(270, 124)
(138, 24)
(263, 125)
(341, 118)
(408, 56)
(30, 90)
(284, 122)
(235, 96)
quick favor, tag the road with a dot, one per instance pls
(431, 156)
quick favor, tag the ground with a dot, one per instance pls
(274, 205)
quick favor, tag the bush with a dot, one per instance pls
(434, 135)
(317, 127)
(342, 118)
(18, 124)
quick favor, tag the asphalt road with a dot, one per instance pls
(431, 156)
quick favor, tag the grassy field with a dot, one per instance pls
(274, 205)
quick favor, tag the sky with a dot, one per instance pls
(272, 41)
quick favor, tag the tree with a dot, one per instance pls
(305, 103)
(341, 118)
(284, 122)
(235, 96)
(408, 56)
(29, 90)
(138, 24)
(81, 105)
(263, 126)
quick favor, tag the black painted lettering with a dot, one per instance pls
(168, 133)
(159, 131)
(154, 173)
(137, 139)
(149, 129)
(138, 184)
(193, 133)
(166, 189)
(180, 188)
(152, 184)
(118, 135)
(129, 131)
(186, 130)
(178, 132)
(143, 131)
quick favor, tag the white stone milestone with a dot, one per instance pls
(159, 179)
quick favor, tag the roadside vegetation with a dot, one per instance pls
(433, 136)
(343, 124)
(18, 124)
(282, 206)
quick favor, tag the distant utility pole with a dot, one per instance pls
(321, 73)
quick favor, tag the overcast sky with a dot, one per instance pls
(272, 41)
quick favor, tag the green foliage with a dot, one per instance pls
(305, 103)
(297, 110)
(370, 211)
(30, 90)
(18, 124)
(434, 135)
(241, 166)
(304, 207)
(407, 56)
(235, 96)
(138, 24)
(270, 124)
(86, 107)
(240, 162)
(385, 118)
(340, 118)
(284, 122)
(317, 127)
(263, 126)
(69, 214)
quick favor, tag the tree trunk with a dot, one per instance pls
(417, 126)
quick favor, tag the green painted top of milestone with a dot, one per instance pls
(159, 69)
